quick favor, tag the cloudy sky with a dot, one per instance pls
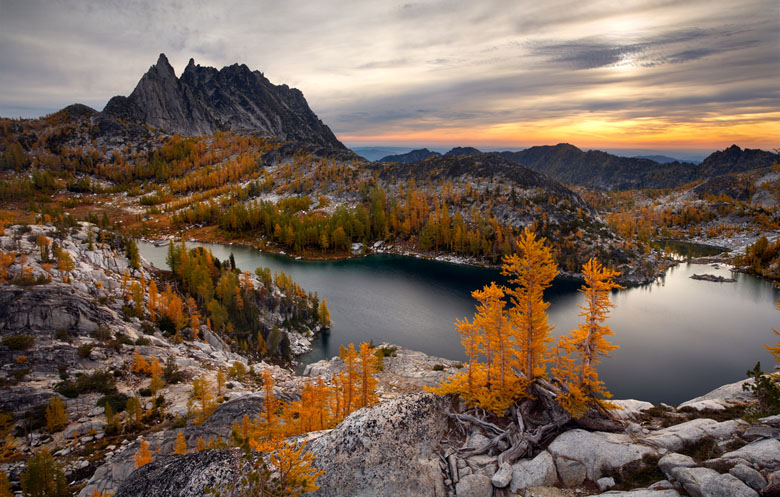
(667, 74)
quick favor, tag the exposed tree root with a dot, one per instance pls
(533, 422)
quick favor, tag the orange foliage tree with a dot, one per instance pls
(775, 349)
(587, 342)
(509, 348)
(531, 271)
(181, 444)
(510, 340)
(143, 457)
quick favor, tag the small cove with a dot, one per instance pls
(678, 337)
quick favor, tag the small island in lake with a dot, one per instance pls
(712, 277)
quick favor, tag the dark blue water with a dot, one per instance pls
(678, 337)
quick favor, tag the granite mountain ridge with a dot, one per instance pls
(205, 100)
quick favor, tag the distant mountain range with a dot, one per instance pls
(662, 159)
(205, 100)
(601, 170)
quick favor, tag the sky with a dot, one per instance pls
(652, 74)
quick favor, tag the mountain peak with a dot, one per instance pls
(163, 66)
(205, 100)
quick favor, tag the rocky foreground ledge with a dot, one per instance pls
(405, 446)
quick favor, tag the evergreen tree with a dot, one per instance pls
(131, 250)
(43, 477)
(5, 485)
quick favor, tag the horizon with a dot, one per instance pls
(679, 153)
(647, 75)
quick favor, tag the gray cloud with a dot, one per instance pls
(368, 67)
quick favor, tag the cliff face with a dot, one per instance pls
(205, 100)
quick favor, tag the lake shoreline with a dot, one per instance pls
(628, 281)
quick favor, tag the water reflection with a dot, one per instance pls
(678, 337)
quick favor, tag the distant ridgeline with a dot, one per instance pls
(596, 169)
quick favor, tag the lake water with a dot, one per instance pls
(678, 337)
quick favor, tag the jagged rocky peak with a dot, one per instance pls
(205, 100)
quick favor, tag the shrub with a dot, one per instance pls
(237, 370)
(166, 325)
(19, 342)
(766, 391)
(102, 333)
(85, 349)
(117, 401)
(99, 381)
(19, 374)
(171, 373)
(389, 351)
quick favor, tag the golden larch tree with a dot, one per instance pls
(138, 298)
(368, 383)
(65, 265)
(5, 485)
(349, 378)
(324, 314)
(202, 393)
(181, 444)
(220, 383)
(140, 364)
(297, 476)
(588, 340)
(144, 456)
(492, 319)
(154, 300)
(56, 416)
(531, 271)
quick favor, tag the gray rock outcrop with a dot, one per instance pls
(473, 486)
(597, 452)
(705, 482)
(539, 471)
(182, 476)
(675, 437)
(391, 446)
(205, 100)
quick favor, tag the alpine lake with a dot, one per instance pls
(679, 338)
